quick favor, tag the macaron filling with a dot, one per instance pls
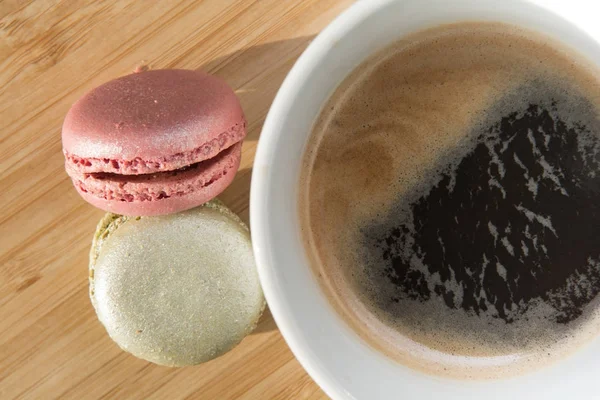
(159, 185)
(84, 165)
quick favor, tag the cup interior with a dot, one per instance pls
(336, 358)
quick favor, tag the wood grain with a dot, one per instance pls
(51, 344)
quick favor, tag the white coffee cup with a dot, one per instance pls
(334, 355)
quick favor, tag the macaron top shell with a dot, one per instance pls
(175, 290)
(152, 121)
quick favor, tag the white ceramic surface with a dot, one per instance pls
(337, 359)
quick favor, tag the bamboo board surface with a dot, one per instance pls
(51, 52)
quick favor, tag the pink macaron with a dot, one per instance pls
(155, 142)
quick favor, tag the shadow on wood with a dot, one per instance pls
(244, 71)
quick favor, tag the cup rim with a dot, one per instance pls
(259, 210)
(258, 184)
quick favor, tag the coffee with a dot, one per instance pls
(450, 200)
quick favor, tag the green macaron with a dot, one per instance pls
(178, 289)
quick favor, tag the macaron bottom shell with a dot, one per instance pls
(178, 192)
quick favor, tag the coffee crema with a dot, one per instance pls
(450, 200)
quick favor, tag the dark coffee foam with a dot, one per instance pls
(509, 234)
(451, 208)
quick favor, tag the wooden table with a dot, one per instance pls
(51, 344)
